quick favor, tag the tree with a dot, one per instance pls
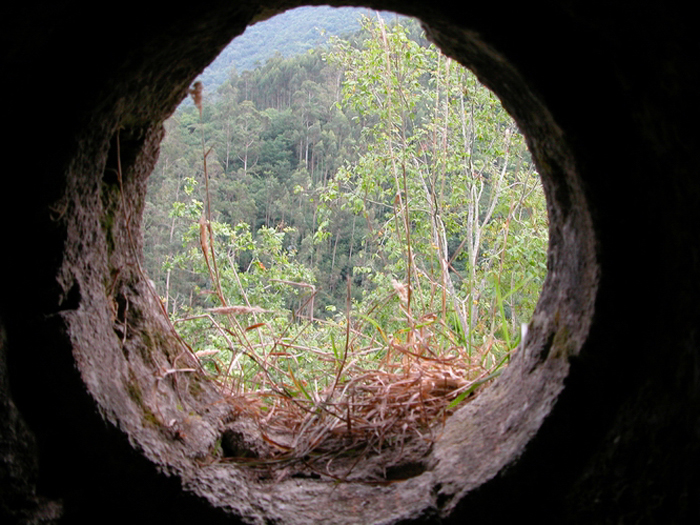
(442, 161)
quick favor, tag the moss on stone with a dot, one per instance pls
(195, 388)
(134, 391)
(562, 345)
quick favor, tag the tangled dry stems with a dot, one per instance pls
(406, 398)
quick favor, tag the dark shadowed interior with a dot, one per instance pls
(597, 418)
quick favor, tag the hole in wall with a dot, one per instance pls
(305, 229)
(152, 389)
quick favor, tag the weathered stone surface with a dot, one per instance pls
(598, 418)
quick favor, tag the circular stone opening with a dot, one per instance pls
(277, 235)
(148, 384)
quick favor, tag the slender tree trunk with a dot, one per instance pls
(400, 191)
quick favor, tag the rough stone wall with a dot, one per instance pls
(598, 420)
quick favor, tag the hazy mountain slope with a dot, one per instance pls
(289, 33)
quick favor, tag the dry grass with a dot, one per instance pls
(373, 408)
(357, 402)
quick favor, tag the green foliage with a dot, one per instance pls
(372, 188)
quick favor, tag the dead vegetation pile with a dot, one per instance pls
(393, 407)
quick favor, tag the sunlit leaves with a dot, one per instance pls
(470, 183)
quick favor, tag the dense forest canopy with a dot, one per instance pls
(288, 34)
(371, 177)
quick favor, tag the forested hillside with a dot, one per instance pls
(287, 34)
(371, 189)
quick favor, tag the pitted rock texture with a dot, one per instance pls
(104, 416)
